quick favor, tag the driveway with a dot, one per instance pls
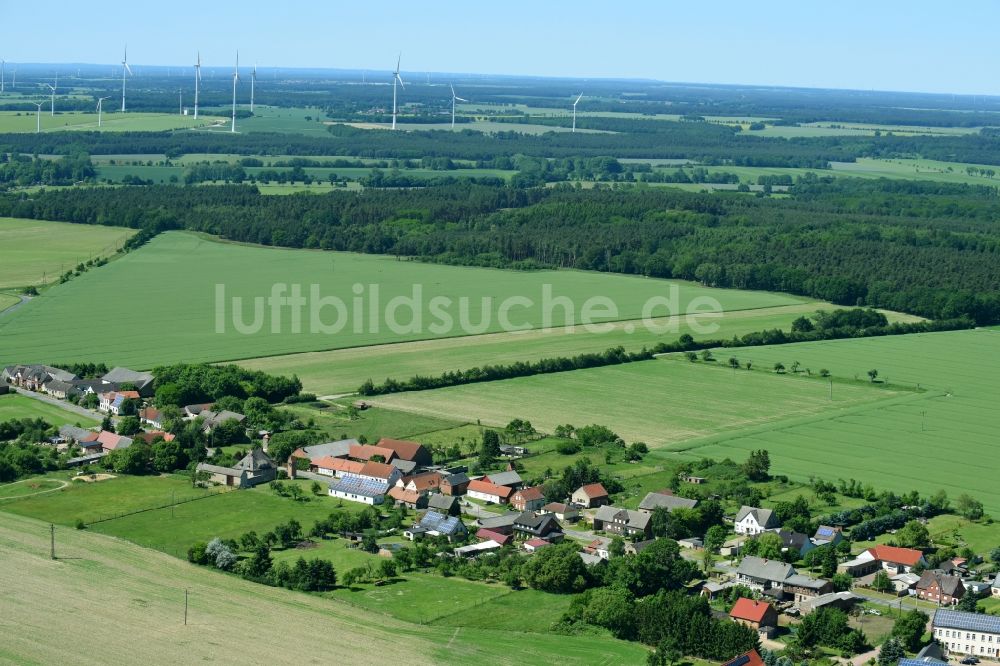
(63, 404)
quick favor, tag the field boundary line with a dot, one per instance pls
(40, 492)
(215, 493)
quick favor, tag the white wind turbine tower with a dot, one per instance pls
(574, 110)
(38, 116)
(454, 98)
(197, 80)
(236, 77)
(3, 72)
(396, 79)
(253, 82)
(100, 109)
(125, 70)
(52, 109)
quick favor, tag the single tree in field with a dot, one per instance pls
(707, 356)
(779, 367)
(795, 366)
(873, 374)
(691, 356)
(734, 362)
(749, 365)
(823, 372)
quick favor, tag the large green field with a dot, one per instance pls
(36, 251)
(14, 406)
(144, 591)
(660, 402)
(165, 301)
(344, 370)
(944, 437)
(21, 121)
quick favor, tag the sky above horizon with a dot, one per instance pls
(916, 46)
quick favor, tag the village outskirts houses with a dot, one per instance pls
(528, 499)
(893, 559)
(255, 468)
(758, 615)
(590, 496)
(489, 492)
(623, 522)
(751, 520)
(663, 500)
(939, 587)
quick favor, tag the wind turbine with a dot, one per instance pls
(253, 82)
(3, 72)
(38, 116)
(52, 110)
(236, 77)
(454, 98)
(100, 108)
(180, 101)
(125, 70)
(395, 79)
(574, 110)
(197, 80)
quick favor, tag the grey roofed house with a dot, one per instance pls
(356, 485)
(763, 515)
(406, 467)
(457, 479)
(213, 419)
(949, 585)
(795, 541)
(505, 478)
(255, 461)
(634, 519)
(432, 521)
(59, 386)
(143, 381)
(75, 433)
(654, 501)
(841, 600)
(93, 386)
(761, 569)
(953, 619)
(505, 520)
(442, 503)
(808, 582)
(337, 449)
(535, 524)
(589, 559)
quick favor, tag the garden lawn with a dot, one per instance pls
(14, 406)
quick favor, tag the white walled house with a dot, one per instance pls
(752, 520)
(959, 632)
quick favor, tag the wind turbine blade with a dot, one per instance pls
(400, 79)
(461, 99)
(399, 59)
(578, 99)
(127, 68)
(452, 90)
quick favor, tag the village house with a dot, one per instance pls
(492, 535)
(794, 542)
(112, 402)
(530, 524)
(142, 381)
(57, 388)
(411, 499)
(535, 544)
(380, 472)
(366, 452)
(590, 496)
(410, 451)
(33, 377)
(803, 588)
(510, 451)
(109, 441)
(528, 499)
(255, 468)
(967, 633)
(624, 522)
(636, 547)
(438, 524)
(764, 575)
(336, 467)
(214, 419)
(892, 559)
(503, 523)
(76, 435)
(840, 600)
(600, 547)
(753, 520)
(445, 504)
(758, 615)
(562, 512)
(422, 483)
(751, 658)
(903, 583)
(152, 416)
(827, 536)
(995, 587)
(940, 588)
(489, 492)
(654, 501)
(316, 452)
(510, 478)
(455, 484)
(361, 489)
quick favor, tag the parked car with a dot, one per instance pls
(970, 660)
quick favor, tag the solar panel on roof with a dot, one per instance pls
(967, 621)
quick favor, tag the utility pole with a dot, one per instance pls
(52, 544)
(922, 414)
(173, 493)
(831, 389)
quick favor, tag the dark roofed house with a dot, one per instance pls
(967, 633)
(503, 523)
(653, 501)
(510, 478)
(530, 524)
(764, 575)
(795, 542)
(455, 484)
(215, 419)
(940, 587)
(438, 524)
(57, 388)
(827, 535)
(143, 381)
(446, 504)
(625, 522)
(255, 468)
(802, 588)
(72, 433)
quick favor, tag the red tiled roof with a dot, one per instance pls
(487, 488)
(339, 465)
(377, 470)
(594, 490)
(148, 437)
(109, 440)
(403, 449)
(749, 610)
(424, 481)
(896, 555)
(536, 543)
(751, 658)
(488, 534)
(367, 452)
(555, 507)
(530, 494)
(401, 495)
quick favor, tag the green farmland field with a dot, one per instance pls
(14, 121)
(144, 591)
(945, 437)
(34, 250)
(660, 402)
(168, 289)
(21, 407)
(344, 370)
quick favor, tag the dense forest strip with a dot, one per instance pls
(924, 248)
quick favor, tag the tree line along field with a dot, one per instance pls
(344, 370)
(945, 437)
(144, 591)
(35, 251)
(660, 402)
(164, 305)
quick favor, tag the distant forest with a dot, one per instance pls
(927, 248)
